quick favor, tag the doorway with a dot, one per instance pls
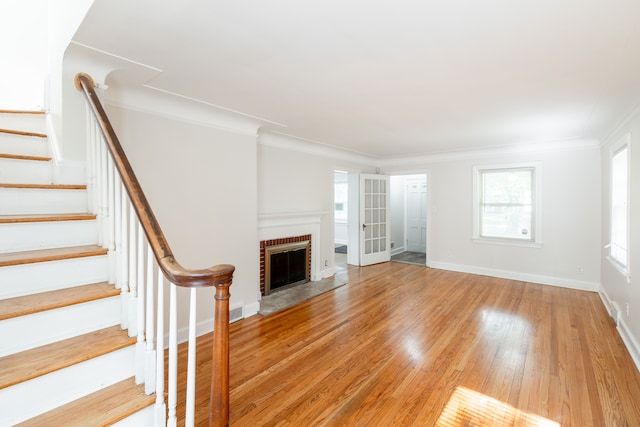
(341, 218)
(409, 232)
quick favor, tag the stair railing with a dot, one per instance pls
(140, 262)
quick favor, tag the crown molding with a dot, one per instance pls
(125, 84)
(293, 143)
(543, 147)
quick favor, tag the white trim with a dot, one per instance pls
(537, 204)
(164, 104)
(530, 148)
(622, 143)
(608, 304)
(623, 329)
(506, 242)
(327, 272)
(621, 125)
(251, 309)
(290, 224)
(292, 143)
(630, 342)
(514, 275)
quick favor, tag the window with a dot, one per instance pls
(619, 204)
(506, 203)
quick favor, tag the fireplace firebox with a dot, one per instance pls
(286, 265)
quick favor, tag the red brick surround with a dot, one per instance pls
(274, 242)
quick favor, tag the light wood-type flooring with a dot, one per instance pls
(406, 345)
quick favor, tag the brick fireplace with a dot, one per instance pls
(282, 228)
(265, 246)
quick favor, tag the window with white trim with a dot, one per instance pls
(506, 204)
(619, 205)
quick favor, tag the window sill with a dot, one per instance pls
(506, 242)
(622, 270)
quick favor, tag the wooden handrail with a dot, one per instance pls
(220, 276)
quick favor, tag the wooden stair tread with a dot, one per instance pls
(44, 255)
(102, 408)
(45, 186)
(10, 219)
(23, 133)
(21, 111)
(29, 364)
(22, 157)
(35, 303)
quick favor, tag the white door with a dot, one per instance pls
(417, 214)
(374, 219)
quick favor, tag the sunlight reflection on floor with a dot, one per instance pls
(470, 408)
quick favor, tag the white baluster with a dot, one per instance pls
(121, 249)
(191, 363)
(150, 358)
(160, 407)
(89, 167)
(111, 206)
(104, 193)
(97, 184)
(134, 322)
(173, 357)
(136, 267)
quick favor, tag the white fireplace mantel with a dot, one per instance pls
(291, 224)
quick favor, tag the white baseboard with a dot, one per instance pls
(251, 309)
(608, 304)
(630, 342)
(623, 329)
(396, 251)
(514, 275)
(327, 272)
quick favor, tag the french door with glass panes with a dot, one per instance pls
(374, 219)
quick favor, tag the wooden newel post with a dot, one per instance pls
(219, 405)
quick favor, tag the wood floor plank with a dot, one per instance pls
(405, 345)
(44, 255)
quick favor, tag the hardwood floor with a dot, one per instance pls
(405, 345)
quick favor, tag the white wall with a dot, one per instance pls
(616, 290)
(201, 184)
(570, 220)
(293, 181)
(397, 207)
(64, 18)
(24, 63)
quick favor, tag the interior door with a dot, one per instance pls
(417, 215)
(374, 219)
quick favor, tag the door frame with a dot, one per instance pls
(430, 210)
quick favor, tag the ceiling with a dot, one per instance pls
(391, 78)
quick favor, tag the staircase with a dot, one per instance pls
(64, 358)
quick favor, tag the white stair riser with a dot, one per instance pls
(144, 417)
(18, 201)
(26, 236)
(34, 330)
(26, 279)
(14, 171)
(24, 122)
(34, 397)
(24, 145)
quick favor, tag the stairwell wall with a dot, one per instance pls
(201, 183)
